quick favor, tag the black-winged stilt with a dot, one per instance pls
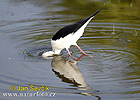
(68, 36)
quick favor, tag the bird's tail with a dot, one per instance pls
(95, 13)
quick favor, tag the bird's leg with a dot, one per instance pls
(70, 55)
(68, 52)
(83, 51)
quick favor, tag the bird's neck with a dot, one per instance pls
(57, 52)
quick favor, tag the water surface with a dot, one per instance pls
(112, 38)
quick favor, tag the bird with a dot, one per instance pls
(69, 35)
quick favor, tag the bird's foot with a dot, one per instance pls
(72, 57)
(87, 55)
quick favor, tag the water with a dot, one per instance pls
(112, 38)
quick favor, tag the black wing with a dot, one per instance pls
(72, 28)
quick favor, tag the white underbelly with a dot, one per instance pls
(65, 42)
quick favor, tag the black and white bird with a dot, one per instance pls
(68, 36)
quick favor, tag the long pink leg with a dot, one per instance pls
(68, 52)
(70, 55)
(83, 51)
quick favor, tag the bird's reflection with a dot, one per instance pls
(68, 72)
